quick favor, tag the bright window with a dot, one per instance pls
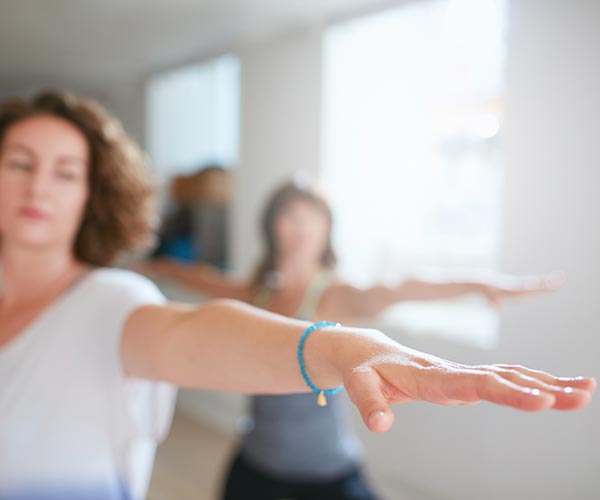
(193, 116)
(412, 156)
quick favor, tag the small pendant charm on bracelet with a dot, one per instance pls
(321, 399)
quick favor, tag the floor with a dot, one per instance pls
(190, 462)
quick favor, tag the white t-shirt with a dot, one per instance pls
(72, 425)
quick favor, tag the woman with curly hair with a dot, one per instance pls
(90, 355)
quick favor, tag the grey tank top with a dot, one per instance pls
(290, 436)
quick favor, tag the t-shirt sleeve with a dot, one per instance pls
(148, 404)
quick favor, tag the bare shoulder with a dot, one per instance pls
(120, 279)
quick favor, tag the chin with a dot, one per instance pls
(32, 238)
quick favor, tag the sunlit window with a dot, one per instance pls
(412, 156)
(193, 116)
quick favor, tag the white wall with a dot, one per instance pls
(553, 221)
(127, 100)
(280, 129)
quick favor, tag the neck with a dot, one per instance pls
(29, 275)
(296, 272)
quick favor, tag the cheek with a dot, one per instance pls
(320, 237)
(319, 230)
(10, 185)
(72, 207)
(282, 232)
(10, 194)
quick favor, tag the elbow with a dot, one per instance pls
(219, 305)
(222, 306)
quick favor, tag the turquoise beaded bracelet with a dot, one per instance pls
(321, 393)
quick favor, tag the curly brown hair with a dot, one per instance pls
(120, 208)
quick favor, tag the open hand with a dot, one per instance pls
(390, 373)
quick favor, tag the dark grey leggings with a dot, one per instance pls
(245, 482)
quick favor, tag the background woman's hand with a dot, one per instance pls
(508, 287)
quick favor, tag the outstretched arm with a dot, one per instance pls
(228, 345)
(348, 301)
(202, 278)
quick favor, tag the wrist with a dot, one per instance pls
(319, 357)
(333, 352)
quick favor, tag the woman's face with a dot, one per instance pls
(44, 162)
(302, 231)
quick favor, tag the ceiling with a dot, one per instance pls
(85, 42)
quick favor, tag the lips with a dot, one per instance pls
(33, 213)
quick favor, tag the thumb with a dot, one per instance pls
(364, 387)
(495, 301)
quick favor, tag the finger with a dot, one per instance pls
(494, 300)
(567, 397)
(554, 280)
(365, 389)
(470, 385)
(536, 284)
(584, 383)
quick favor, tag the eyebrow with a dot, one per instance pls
(71, 159)
(62, 159)
(19, 146)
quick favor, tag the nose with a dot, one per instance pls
(37, 183)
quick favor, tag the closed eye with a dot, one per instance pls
(66, 175)
(19, 165)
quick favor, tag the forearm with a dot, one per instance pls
(202, 278)
(426, 289)
(227, 345)
(494, 286)
(184, 273)
(372, 301)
